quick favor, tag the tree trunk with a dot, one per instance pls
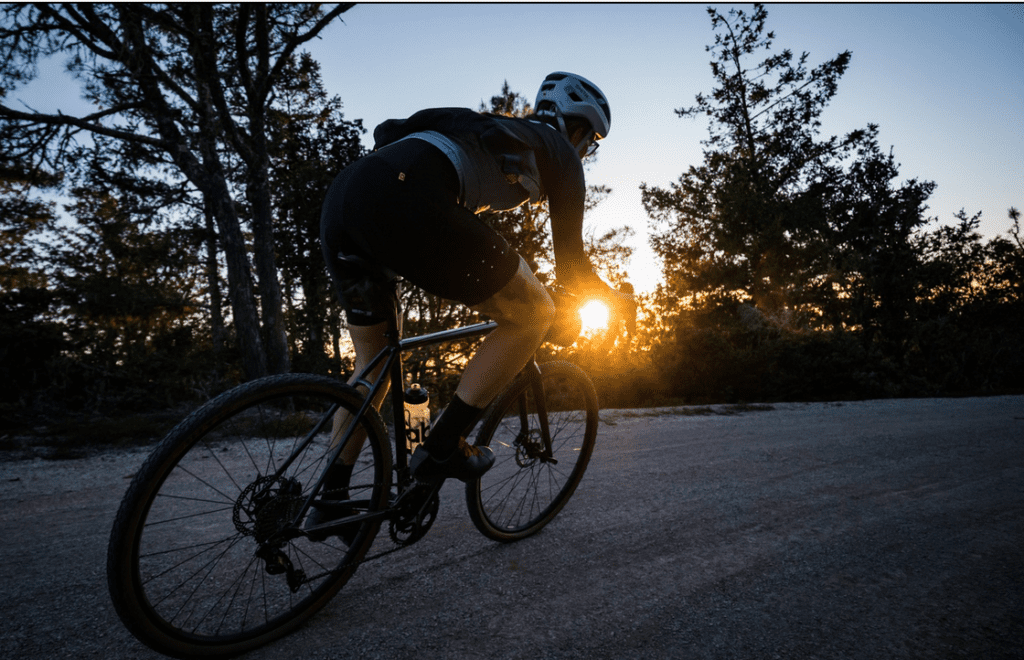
(266, 272)
(240, 285)
(213, 283)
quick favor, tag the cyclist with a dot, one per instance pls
(409, 207)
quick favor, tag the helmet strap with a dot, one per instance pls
(561, 124)
(560, 120)
(565, 130)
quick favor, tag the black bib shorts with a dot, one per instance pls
(398, 207)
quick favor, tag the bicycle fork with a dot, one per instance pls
(544, 452)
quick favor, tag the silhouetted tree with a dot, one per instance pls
(747, 224)
(312, 143)
(30, 337)
(184, 81)
(872, 275)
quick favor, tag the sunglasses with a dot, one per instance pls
(592, 147)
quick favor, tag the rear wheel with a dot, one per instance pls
(527, 487)
(205, 557)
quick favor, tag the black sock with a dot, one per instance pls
(336, 484)
(455, 423)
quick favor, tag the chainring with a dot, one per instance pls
(416, 517)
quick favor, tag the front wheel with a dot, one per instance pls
(528, 486)
(206, 558)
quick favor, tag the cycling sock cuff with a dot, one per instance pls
(455, 423)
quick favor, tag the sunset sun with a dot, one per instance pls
(594, 316)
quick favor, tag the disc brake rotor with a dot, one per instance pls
(266, 506)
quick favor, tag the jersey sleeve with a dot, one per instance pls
(563, 180)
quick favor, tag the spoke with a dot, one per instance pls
(271, 466)
(192, 499)
(252, 459)
(311, 558)
(227, 610)
(188, 516)
(210, 563)
(252, 590)
(517, 479)
(208, 545)
(223, 468)
(226, 497)
(232, 603)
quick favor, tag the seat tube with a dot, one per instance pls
(397, 378)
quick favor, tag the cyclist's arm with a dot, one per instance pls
(564, 184)
(562, 177)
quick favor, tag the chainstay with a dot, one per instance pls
(357, 564)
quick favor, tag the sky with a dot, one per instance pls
(944, 82)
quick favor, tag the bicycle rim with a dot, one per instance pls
(183, 567)
(522, 492)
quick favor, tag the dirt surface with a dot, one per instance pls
(878, 529)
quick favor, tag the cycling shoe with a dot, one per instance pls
(324, 511)
(466, 463)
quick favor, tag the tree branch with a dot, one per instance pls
(300, 39)
(83, 123)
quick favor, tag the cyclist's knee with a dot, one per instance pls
(523, 304)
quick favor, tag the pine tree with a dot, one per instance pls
(312, 143)
(746, 225)
(185, 81)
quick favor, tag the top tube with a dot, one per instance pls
(441, 336)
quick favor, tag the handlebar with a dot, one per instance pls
(568, 325)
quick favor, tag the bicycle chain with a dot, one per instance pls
(400, 544)
(283, 503)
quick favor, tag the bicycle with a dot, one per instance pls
(209, 556)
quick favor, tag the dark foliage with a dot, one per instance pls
(798, 267)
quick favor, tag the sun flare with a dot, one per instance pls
(594, 316)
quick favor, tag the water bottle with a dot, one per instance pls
(417, 415)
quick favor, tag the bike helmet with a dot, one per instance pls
(569, 95)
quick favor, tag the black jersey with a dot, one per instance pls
(504, 162)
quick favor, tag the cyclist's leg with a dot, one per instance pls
(368, 341)
(354, 193)
(524, 312)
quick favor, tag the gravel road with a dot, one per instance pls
(878, 529)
